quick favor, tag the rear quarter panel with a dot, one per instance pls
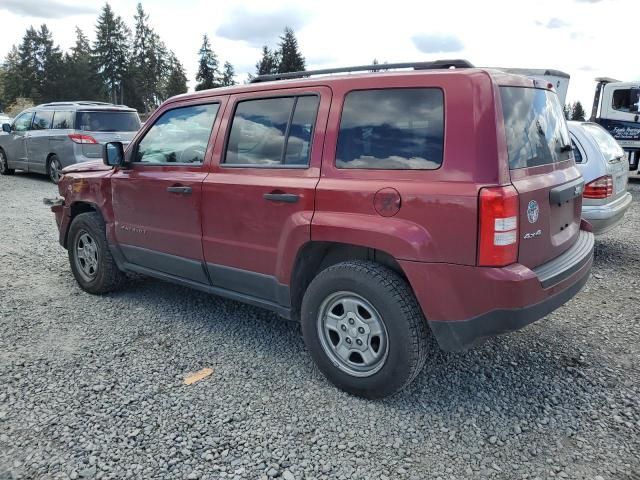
(437, 220)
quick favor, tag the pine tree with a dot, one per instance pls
(111, 52)
(228, 75)
(176, 82)
(577, 112)
(291, 60)
(81, 82)
(268, 64)
(150, 66)
(208, 75)
(12, 77)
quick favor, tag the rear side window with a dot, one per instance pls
(42, 120)
(272, 132)
(62, 120)
(107, 121)
(535, 128)
(392, 129)
(606, 143)
(576, 152)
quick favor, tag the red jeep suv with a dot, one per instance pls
(376, 208)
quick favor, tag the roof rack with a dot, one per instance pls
(68, 104)
(435, 65)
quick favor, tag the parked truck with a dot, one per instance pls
(616, 106)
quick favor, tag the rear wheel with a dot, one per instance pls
(54, 169)
(364, 328)
(4, 165)
(91, 262)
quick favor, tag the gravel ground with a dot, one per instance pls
(92, 387)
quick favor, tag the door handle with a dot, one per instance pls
(179, 189)
(282, 197)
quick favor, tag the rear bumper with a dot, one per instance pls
(605, 217)
(466, 305)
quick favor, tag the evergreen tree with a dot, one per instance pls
(208, 75)
(291, 60)
(176, 82)
(111, 52)
(150, 64)
(268, 64)
(81, 82)
(13, 83)
(577, 112)
(228, 75)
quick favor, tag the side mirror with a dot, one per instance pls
(113, 154)
(6, 128)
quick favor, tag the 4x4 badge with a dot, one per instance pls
(533, 211)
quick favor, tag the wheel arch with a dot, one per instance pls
(315, 256)
(75, 209)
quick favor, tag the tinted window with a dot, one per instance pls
(576, 152)
(606, 143)
(63, 120)
(180, 135)
(107, 121)
(395, 129)
(42, 120)
(626, 100)
(535, 128)
(23, 122)
(301, 131)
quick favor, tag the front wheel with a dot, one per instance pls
(4, 164)
(364, 328)
(92, 265)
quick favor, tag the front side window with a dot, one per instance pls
(62, 120)
(42, 120)
(626, 100)
(272, 132)
(179, 136)
(535, 128)
(108, 121)
(23, 122)
(392, 129)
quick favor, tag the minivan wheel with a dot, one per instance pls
(4, 165)
(91, 262)
(54, 168)
(364, 328)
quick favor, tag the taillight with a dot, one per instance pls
(79, 138)
(498, 230)
(600, 188)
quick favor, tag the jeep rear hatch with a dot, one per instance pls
(543, 172)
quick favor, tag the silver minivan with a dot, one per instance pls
(49, 137)
(605, 170)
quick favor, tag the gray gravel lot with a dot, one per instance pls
(92, 387)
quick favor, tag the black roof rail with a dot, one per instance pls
(435, 65)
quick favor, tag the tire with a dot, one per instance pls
(378, 300)
(4, 164)
(53, 169)
(91, 262)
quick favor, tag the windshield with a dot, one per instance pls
(105, 121)
(606, 143)
(535, 128)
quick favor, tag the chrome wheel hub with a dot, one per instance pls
(87, 256)
(352, 334)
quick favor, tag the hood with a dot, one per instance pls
(93, 166)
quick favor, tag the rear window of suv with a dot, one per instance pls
(105, 121)
(392, 129)
(535, 128)
(607, 144)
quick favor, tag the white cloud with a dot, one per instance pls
(45, 8)
(437, 43)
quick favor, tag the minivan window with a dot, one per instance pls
(42, 120)
(626, 99)
(272, 132)
(107, 121)
(23, 122)
(179, 136)
(62, 120)
(606, 143)
(392, 129)
(535, 127)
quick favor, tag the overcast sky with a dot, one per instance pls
(585, 38)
